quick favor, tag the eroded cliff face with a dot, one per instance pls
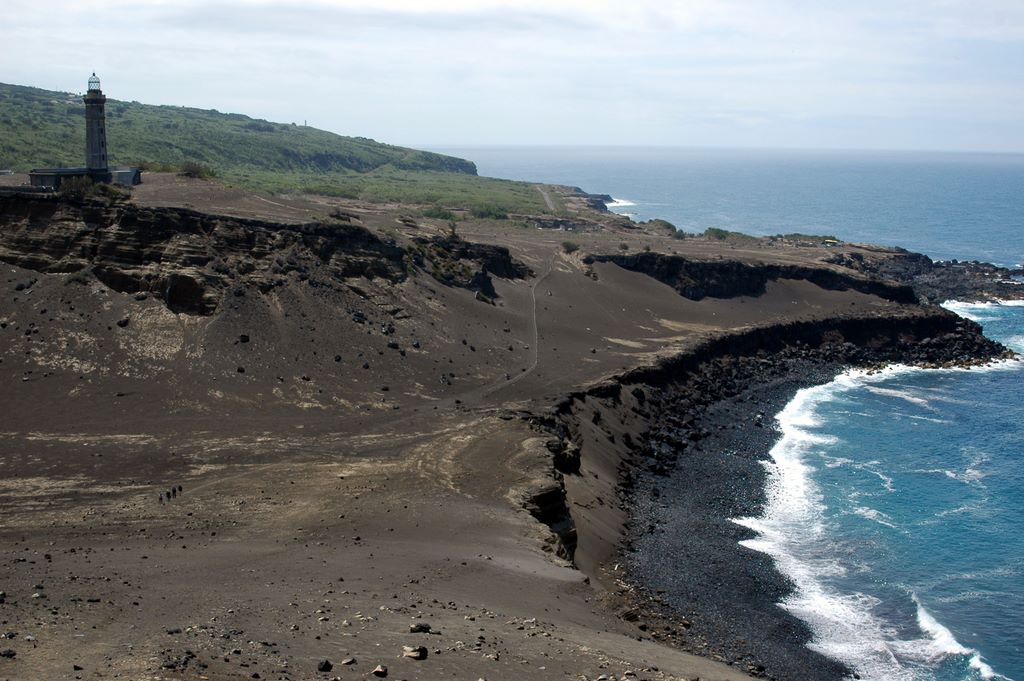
(697, 279)
(189, 260)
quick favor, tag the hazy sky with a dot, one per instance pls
(939, 74)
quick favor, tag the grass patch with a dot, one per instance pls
(42, 128)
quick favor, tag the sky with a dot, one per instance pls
(847, 74)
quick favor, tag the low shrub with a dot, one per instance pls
(197, 170)
(438, 213)
(489, 210)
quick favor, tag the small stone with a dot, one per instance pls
(380, 670)
(8, 653)
(419, 628)
(122, 322)
(348, 661)
(324, 666)
(243, 338)
(414, 652)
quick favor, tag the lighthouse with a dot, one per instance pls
(96, 167)
(95, 130)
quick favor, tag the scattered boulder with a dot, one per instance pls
(419, 628)
(324, 666)
(380, 670)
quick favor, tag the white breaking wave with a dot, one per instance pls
(793, 532)
(929, 419)
(973, 311)
(875, 515)
(943, 643)
(969, 476)
(866, 466)
(619, 203)
(901, 394)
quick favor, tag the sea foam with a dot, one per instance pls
(942, 643)
(976, 311)
(793, 532)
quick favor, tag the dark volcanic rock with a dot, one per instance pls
(936, 282)
(449, 255)
(698, 279)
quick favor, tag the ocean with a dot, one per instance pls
(895, 499)
(948, 205)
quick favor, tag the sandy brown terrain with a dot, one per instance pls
(347, 458)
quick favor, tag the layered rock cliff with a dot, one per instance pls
(190, 260)
(697, 279)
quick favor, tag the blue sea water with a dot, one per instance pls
(948, 205)
(896, 499)
(895, 508)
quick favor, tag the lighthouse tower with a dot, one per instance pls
(95, 131)
(96, 167)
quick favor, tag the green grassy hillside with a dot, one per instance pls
(41, 128)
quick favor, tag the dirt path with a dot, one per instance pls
(547, 198)
(534, 332)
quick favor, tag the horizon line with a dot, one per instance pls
(686, 147)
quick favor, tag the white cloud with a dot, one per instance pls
(582, 71)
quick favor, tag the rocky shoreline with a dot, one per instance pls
(938, 281)
(697, 430)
